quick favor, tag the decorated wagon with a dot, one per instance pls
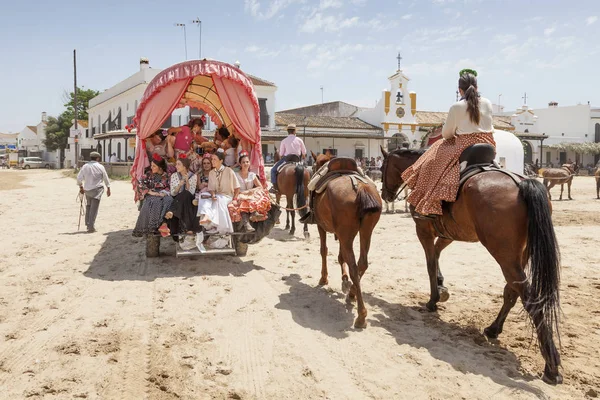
(227, 96)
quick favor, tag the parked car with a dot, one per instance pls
(33, 162)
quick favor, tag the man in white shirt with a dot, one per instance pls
(90, 179)
(113, 158)
(291, 145)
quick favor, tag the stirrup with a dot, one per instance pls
(308, 218)
(428, 217)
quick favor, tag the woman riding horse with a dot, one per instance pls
(434, 177)
(509, 215)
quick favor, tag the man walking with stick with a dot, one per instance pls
(90, 179)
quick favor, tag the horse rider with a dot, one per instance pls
(292, 145)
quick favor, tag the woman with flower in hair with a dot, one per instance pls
(156, 198)
(434, 177)
(155, 144)
(253, 202)
(182, 214)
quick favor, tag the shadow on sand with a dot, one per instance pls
(317, 308)
(122, 257)
(465, 348)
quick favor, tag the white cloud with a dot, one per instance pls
(328, 23)
(591, 20)
(380, 23)
(407, 16)
(549, 31)
(308, 47)
(505, 39)
(262, 52)
(325, 4)
(252, 49)
(273, 9)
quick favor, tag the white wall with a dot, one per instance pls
(28, 139)
(268, 92)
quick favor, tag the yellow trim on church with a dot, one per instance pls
(386, 106)
(413, 103)
(386, 127)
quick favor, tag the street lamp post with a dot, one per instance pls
(184, 38)
(199, 23)
(500, 95)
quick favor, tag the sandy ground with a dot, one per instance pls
(88, 316)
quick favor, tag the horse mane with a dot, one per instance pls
(411, 152)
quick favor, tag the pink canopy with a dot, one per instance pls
(223, 91)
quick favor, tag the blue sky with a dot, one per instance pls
(549, 49)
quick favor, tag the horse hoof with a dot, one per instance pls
(323, 282)
(444, 295)
(306, 235)
(491, 333)
(431, 306)
(346, 285)
(292, 232)
(287, 227)
(360, 323)
(552, 379)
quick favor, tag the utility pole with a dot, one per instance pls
(75, 106)
(524, 99)
(321, 94)
(199, 23)
(184, 38)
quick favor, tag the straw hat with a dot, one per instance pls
(291, 126)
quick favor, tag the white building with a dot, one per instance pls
(113, 109)
(31, 139)
(8, 139)
(570, 124)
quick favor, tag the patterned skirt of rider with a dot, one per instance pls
(434, 177)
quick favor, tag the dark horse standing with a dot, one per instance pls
(293, 180)
(345, 210)
(514, 224)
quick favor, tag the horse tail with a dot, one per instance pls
(366, 201)
(300, 198)
(543, 254)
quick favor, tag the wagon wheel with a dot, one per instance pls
(152, 246)
(240, 248)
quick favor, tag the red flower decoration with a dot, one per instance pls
(203, 118)
(243, 153)
(183, 155)
(156, 157)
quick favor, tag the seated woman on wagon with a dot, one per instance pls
(182, 213)
(156, 196)
(223, 187)
(253, 202)
(156, 144)
(202, 178)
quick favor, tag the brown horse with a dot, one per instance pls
(514, 224)
(597, 176)
(560, 176)
(345, 211)
(293, 180)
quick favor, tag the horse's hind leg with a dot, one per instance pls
(346, 284)
(426, 237)
(348, 255)
(306, 233)
(562, 187)
(510, 298)
(569, 187)
(293, 218)
(441, 244)
(323, 237)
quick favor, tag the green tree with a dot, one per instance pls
(57, 134)
(83, 100)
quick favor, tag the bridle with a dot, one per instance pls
(394, 194)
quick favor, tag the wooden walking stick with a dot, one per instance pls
(80, 197)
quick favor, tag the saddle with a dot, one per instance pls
(339, 166)
(474, 160)
(289, 159)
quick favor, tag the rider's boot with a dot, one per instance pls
(246, 227)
